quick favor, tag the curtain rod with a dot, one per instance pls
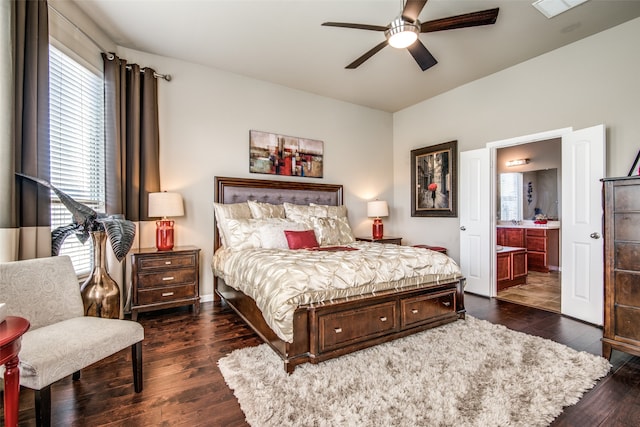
(110, 56)
(157, 75)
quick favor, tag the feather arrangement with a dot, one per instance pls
(119, 230)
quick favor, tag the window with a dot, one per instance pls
(511, 196)
(76, 113)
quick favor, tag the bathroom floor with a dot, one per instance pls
(541, 291)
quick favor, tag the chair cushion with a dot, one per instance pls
(56, 351)
(42, 290)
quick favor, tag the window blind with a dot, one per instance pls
(77, 145)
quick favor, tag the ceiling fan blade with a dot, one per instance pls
(412, 9)
(474, 19)
(356, 26)
(422, 55)
(369, 54)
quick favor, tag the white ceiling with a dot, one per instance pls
(283, 42)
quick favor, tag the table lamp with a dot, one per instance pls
(165, 205)
(377, 208)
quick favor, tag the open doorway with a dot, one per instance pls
(528, 215)
(583, 160)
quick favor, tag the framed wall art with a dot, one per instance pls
(434, 182)
(274, 154)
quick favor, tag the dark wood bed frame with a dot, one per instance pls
(331, 329)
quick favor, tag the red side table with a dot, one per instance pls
(11, 331)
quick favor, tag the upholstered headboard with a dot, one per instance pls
(237, 190)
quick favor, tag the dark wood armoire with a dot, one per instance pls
(621, 265)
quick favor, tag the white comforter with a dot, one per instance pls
(280, 280)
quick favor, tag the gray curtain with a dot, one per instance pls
(133, 147)
(133, 142)
(25, 206)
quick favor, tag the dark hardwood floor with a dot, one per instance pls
(183, 386)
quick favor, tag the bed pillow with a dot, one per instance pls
(334, 211)
(301, 239)
(303, 213)
(333, 231)
(242, 234)
(261, 210)
(248, 233)
(272, 232)
(224, 212)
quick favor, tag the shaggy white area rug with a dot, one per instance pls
(467, 373)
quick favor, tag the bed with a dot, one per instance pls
(341, 321)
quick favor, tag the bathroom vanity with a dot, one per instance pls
(542, 242)
(511, 267)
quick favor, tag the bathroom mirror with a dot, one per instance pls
(522, 195)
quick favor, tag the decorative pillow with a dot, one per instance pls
(301, 239)
(272, 232)
(333, 231)
(265, 210)
(225, 212)
(334, 211)
(303, 213)
(242, 234)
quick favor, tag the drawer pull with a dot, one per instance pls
(383, 319)
(446, 303)
(167, 294)
(338, 330)
(414, 311)
(167, 263)
(168, 278)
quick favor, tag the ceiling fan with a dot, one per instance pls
(403, 31)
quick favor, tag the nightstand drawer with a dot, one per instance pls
(166, 262)
(169, 293)
(166, 278)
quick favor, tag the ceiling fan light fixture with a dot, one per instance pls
(402, 33)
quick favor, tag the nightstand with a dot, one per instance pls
(163, 279)
(384, 239)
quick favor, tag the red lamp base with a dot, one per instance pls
(164, 235)
(377, 231)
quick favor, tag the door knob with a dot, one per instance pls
(594, 235)
(463, 228)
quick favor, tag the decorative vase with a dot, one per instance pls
(100, 293)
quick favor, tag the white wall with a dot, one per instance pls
(589, 82)
(205, 118)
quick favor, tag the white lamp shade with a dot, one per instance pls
(165, 204)
(377, 208)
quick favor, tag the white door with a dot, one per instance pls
(583, 164)
(475, 239)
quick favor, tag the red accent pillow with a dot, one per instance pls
(301, 239)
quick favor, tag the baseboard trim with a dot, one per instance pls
(206, 298)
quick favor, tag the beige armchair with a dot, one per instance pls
(61, 340)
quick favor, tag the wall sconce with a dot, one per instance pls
(377, 208)
(518, 162)
(165, 205)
